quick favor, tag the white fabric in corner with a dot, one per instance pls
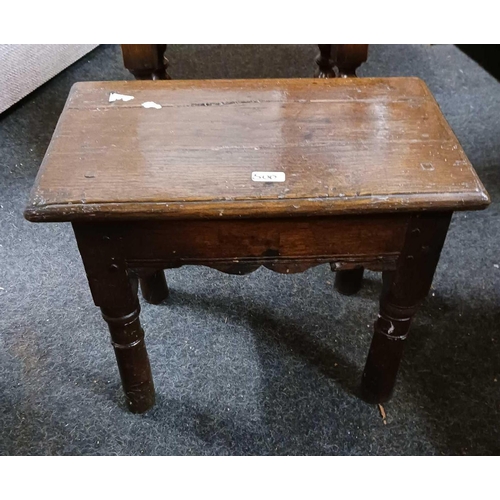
(23, 68)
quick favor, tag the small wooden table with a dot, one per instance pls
(286, 174)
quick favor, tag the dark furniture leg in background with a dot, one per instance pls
(348, 58)
(146, 62)
(324, 62)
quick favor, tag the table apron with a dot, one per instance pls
(242, 245)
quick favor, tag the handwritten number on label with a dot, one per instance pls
(268, 176)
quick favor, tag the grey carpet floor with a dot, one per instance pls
(260, 364)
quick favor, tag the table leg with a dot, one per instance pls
(127, 338)
(114, 290)
(349, 282)
(403, 291)
(154, 287)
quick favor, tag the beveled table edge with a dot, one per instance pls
(293, 207)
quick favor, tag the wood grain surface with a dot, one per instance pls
(345, 146)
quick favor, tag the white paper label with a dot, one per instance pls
(119, 97)
(268, 176)
(151, 104)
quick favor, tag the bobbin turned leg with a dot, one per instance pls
(349, 282)
(114, 290)
(154, 287)
(403, 291)
(127, 338)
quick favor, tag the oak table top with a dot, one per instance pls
(189, 149)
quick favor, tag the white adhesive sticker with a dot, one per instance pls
(268, 176)
(119, 97)
(151, 104)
